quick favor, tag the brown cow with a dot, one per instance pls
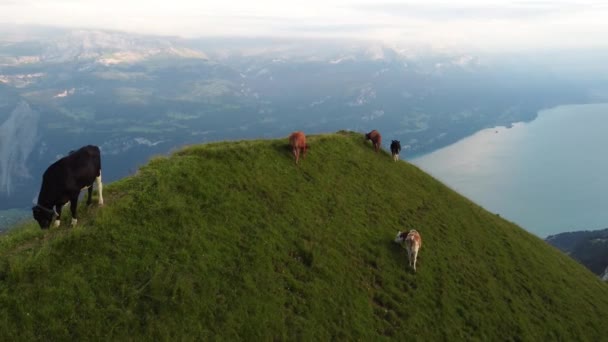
(413, 242)
(376, 139)
(297, 140)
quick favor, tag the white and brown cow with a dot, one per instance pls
(413, 242)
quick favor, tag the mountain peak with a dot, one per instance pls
(234, 240)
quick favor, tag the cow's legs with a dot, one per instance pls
(411, 258)
(415, 258)
(99, 188)
(74, 210)
(90, 198)
(296, 153)
(58, 219)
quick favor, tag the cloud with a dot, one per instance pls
(347, 28)
(476, 11)
(466, 24)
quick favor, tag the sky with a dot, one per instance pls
(472, 24)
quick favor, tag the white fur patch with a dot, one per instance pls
(413, 242)
(57, 223)
(399, 238)
(74, 221)
(99, 188)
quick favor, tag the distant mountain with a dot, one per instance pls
(103, 47)
(137, 96)
(17, 140)
(590, 248)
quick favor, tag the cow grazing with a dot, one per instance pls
(395, 149)
(63, 181)
(297, 140)
(413, 243)
(376, 139)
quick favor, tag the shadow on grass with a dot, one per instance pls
(284, 149)
(399, 254)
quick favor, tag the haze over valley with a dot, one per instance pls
(136, 96)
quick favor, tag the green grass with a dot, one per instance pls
(232, 240)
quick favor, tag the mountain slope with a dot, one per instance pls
(589, 247)
(233, 240)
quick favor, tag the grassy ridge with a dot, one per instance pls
(233, 240)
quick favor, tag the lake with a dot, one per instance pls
(548, 176)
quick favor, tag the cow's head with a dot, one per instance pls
(43, 215)
(399, 238)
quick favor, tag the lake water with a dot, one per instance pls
(548, 176)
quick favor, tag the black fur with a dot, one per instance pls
(63, 181)
(395, 147)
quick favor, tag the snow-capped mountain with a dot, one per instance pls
(104, 47)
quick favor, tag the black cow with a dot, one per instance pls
(395, 149)
(63, 181)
